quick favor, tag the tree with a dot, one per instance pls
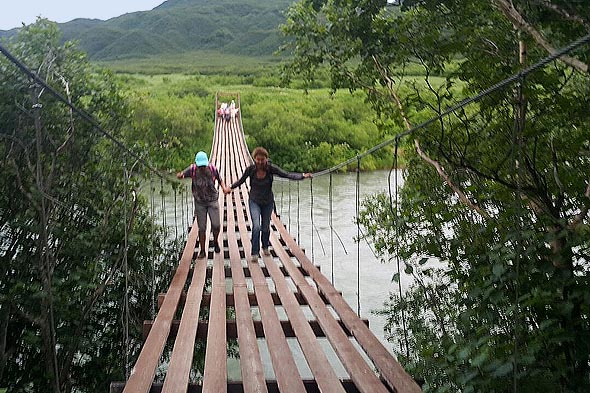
(65, 209)
(497, 190)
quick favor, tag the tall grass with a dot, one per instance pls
(193, 63)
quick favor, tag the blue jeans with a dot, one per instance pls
(260, 223)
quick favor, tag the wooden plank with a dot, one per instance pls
(247, 273)
(355, 365)
(316, 359)
(144, 370)
(177, 376)
(230, 154)
(250, 360)
(232, 332)
(360, 372)
(239, 387)
(230, 299)
(215, 372)
(282, 359)
(284, 366)
(391, 371)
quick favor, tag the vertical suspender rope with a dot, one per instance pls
(126, 271)
(182, 213)
(289, 209)
(396, 223)
(298, 219)
(331, 219)
(190, 209)
(312, 226)
(175, 216)
(358, 235)
(282, 189)
(185, 213)
(194, 205)
(163, 201)
(153, 248)
(188, 194)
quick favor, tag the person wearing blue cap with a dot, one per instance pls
(261, 200)
(205, 195)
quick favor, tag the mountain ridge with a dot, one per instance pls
(247, 28)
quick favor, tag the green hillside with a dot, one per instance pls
(246, 28)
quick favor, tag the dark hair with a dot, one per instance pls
(260, 151)
(204, 170)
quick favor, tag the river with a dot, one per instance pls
(373, 279)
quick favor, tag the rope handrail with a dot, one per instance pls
(574, 45)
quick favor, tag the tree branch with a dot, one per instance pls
(446, 178)
(69, 354)
(389, 82)
(562, 12)
(71, 129)
(583, 212)
(507, 8)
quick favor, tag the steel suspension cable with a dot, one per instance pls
(572, 46)
(83, 114)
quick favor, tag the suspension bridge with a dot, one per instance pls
(281, 306)
(286, 280)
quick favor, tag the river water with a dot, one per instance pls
(366, 288)
(370, 285)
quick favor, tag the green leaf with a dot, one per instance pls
(503, 370)
(480, 359)
(498, 269)
(408, 269)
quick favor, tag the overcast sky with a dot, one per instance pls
(14, 12)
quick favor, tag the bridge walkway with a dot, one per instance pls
(281, 305)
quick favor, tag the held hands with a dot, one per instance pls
(179, 175)
(307, 175)
(226, 190)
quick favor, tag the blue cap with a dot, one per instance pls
(201, 159)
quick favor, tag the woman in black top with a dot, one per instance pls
(261, 201)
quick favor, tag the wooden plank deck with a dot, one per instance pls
(268, 278)
(252, 370)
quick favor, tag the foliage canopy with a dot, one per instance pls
(72, 224)
(497, 192)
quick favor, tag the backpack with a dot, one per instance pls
(204, 188)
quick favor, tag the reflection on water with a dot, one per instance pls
(339, 256)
